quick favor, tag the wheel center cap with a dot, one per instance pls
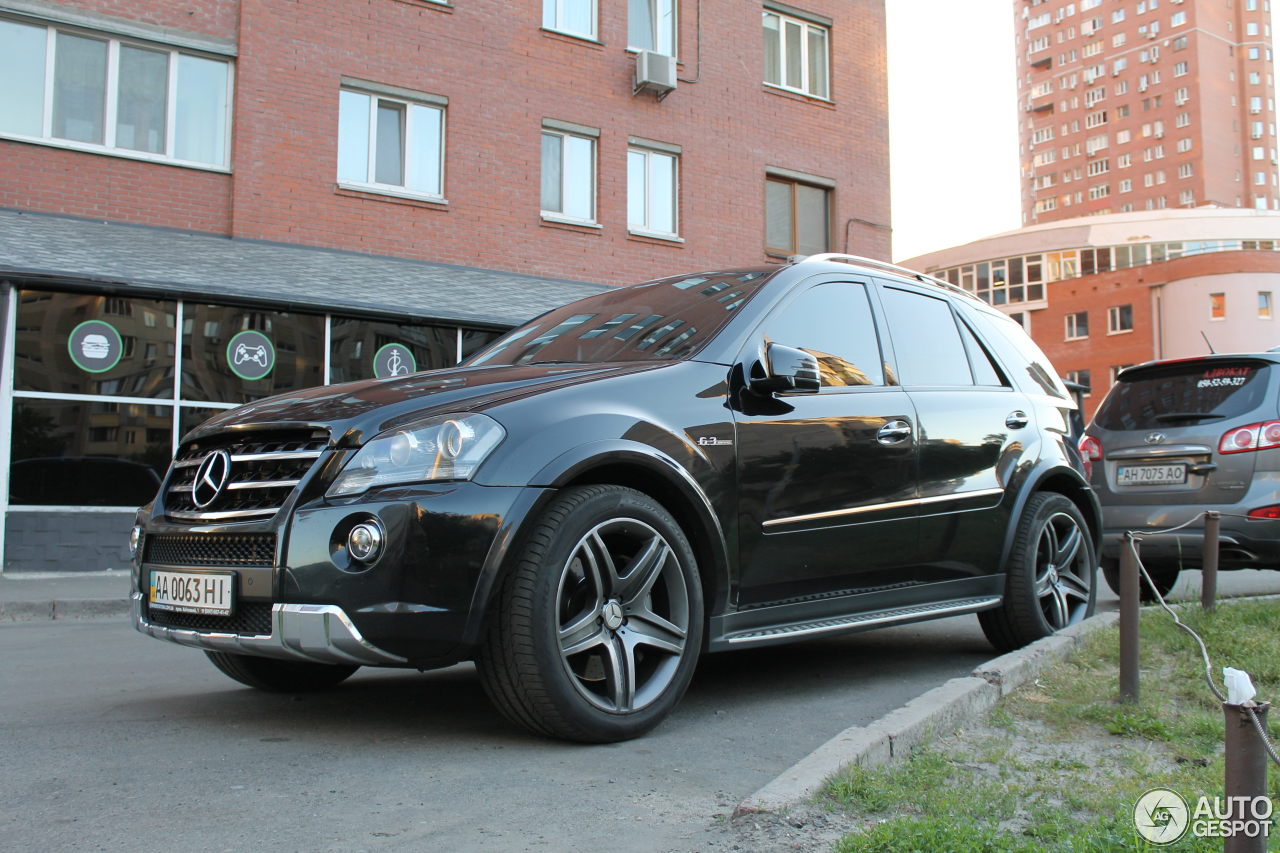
(612, 615)
(1053, 574)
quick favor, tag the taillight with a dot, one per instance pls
(1090, 452)
(1252, 437)
(1263, 513)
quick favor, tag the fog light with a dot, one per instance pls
(135, 539)
(365, 541)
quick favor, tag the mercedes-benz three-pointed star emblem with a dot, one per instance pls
(211, 478)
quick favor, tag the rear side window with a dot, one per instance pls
(1018, 352)
(1186, 394)
(926, 343)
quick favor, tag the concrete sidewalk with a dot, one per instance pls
(26, 597)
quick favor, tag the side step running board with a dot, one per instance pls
(774, 633)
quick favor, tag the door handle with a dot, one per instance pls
(1017, 419)
(894, 432)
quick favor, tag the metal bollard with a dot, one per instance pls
(1246, 772)
(1129, 620)
(1209, 567)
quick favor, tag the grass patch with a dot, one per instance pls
(1059, 764)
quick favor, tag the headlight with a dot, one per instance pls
(449, 447)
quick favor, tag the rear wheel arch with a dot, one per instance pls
(1070, 485)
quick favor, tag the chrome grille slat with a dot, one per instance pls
(265, 467)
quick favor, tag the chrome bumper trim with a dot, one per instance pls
(319, 633)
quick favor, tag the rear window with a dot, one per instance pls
(1185, 394)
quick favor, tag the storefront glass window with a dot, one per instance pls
(363, 349)
(238, 355)
(70, 343)
(474, 340)
(88, 454)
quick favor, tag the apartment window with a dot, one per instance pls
(1081, 377)
(1260, 179)
(1123, 136)
(1126, 185)
(1117, 16)
(1184, 145)
(651, 25)
(1099, 191)
(1187, 198)
(1119, 319)
(1097, 119)
(569, 174)
(795, 54)
(1251, 28)
(573, 17)
(1178, 19)
(1255, 104)
(797, 217)
(1077, 326)
(113, 96)
(390, 144)
(1180, 69)
(652, 191)
(1182, 120)
(1264, 304)
(1217, 306)
(1185, 170)
(1124, 161)
(1181, 95)
(1098, 167)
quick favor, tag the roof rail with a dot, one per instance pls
(884, 265)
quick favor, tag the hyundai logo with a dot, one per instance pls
(1154, 438)
(211, 477)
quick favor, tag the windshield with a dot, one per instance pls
(1184, 394)
(667, 320)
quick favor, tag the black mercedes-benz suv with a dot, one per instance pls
(706, 462)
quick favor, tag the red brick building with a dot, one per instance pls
(1100, 293)
(203, 204)
(1145, 105)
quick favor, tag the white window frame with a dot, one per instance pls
(554, 17)
(1113, 320)
(111, 98)
(649, 151)
(806, 26)
(672, 33)
(1071, 329)
(400, 190)
(567, 132)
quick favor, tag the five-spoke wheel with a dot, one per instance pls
(596, 630)
(1050, 576)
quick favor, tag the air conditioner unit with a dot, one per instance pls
(655, 72)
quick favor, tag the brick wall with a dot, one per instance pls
(502, 75)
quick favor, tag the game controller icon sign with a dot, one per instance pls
(251, 355)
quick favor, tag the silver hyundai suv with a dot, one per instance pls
(1175, 438)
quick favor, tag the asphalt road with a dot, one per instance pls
(114, 741)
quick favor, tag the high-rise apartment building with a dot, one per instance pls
(1133, 105)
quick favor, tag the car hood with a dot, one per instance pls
(354, 412)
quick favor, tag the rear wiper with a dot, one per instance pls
(1187, 416)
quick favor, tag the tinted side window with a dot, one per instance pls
(1020, 354)
(926, 342)
(833, 322)
(985, 371)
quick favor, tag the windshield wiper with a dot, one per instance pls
(1187, 416)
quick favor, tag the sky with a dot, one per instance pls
(953, 135)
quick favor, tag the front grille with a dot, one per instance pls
(212, 549)
(265, 467)
(249, 619)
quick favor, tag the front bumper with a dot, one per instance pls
(420, 604)
(318, 633)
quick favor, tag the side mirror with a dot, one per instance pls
(786, 369)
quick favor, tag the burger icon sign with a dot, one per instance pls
(95, 346)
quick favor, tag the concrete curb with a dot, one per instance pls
(37, 611)
(939, 711)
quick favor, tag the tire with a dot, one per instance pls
(280, 676)
(595, 631)
(1051, 577)
(1163, 575)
